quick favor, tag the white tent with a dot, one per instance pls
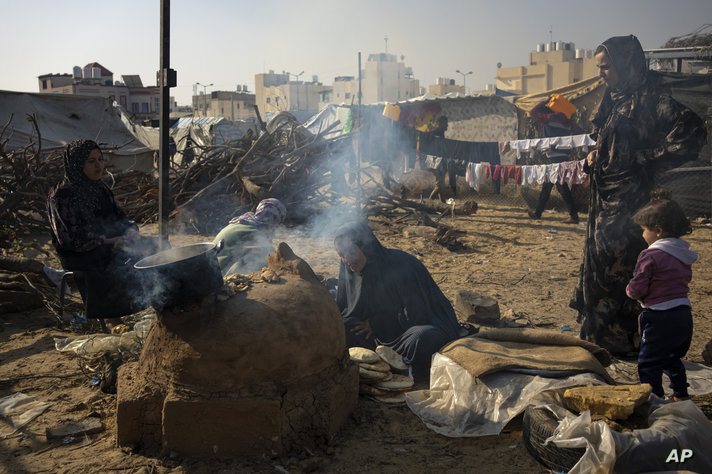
(63, 118)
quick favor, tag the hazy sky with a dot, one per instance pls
(227, 42)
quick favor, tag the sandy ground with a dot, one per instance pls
(530, 267)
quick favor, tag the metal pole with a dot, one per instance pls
(164, 123)
(357, 123)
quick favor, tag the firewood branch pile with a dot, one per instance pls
(302, 169)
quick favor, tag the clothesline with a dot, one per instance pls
(570, 172)
(560, 143)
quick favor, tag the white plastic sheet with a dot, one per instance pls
(673, 426)
(20, 409)
(458, 405)
(92, 345)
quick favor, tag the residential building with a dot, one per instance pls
(445, 85)
(275, 93)
(141, 103)
(232, 105)
(551, 66)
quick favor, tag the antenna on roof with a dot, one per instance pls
(385, 38)
(551, 35)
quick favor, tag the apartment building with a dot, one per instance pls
(552, 65)
(232, 105)
(142, 103)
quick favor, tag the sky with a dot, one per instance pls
(225, 43)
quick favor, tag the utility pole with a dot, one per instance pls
(168, 79)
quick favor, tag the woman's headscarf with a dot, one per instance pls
(269, 213)
(86, 193)
(626, 55)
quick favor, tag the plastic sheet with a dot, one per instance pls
(458, 405)
(92, 345)
(19, 409)
(699, 376)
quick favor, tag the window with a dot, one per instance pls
(122, 101)
(134, 107)
(156, 104)
(238, 106)
(144, 107)
(44, 83)
(268, 100)
(347, 95)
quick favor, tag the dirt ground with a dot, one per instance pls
(529, 266)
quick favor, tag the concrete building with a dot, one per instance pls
(551, 66)
(142, 103)
(275, 93)
(383, 79)
(232, 105)
(445, 85)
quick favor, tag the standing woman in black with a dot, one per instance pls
(639, 132)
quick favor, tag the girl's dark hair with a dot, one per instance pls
(665, 213)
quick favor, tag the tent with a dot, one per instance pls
(63, 118)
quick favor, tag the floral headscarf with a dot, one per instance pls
(269, 213)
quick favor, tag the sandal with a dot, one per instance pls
(673, 398)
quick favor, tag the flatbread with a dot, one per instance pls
(393, 358)
(365, 374)
(361, 354)
(391, 398)
(397, 383)
(380, 366)
(365, 389)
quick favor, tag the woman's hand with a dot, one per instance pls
(117, 242)
(362, 328)
(130, 236)
(591, 158)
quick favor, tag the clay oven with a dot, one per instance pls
(260, 370)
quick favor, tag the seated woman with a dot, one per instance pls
(248, 238)
(388, 297)
(93, 236)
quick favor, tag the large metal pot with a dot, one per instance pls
(182, 274)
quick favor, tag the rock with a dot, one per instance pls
(475, 308)
(707, 353)
(88, 426)
(614, 402)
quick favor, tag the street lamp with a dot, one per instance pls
(464, 78)
(205, 95)
(296, 79)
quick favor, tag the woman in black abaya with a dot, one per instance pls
(387, 296)
(639, 132)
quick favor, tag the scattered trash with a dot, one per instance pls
(566, 328)
(20, 409)
(553, 231)
(78, 321)
(94, 381)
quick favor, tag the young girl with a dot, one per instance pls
(660, 283)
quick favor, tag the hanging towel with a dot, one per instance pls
(553, 172)
(540, 174)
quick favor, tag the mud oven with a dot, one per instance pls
(259, 370)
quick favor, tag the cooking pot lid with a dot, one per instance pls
(174, 255)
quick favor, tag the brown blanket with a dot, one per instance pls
(503, 349)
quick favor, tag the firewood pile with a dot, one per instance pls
(302, 169)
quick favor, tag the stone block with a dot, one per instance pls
(475, 308)
(707, 353)
(616, 402)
